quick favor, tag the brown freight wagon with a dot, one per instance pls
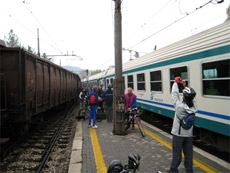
(31, 85)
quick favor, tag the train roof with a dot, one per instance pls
(211, 38)
(208, 39)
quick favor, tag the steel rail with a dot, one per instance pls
(51, 144)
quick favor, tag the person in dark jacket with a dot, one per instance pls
(101, 91)
(108, 98)
(93, 101)
(82, 94)
(101, 94)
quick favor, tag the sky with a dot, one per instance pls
(86, 27)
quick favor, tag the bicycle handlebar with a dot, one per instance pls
(134, 109)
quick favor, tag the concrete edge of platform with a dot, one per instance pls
(76, 154)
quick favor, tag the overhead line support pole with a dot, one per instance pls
(38, 42)
(118, 101)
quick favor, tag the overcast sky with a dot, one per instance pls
(86, 26)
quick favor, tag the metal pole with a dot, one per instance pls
(118, 104)
(87, 72)
(38, 42)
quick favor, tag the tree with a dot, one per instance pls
(95, 72)
(45, 56)
(12, 40)
(31, 50)
(228, 14)
(83, 74)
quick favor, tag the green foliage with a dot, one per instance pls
(44, 56)
(95, 72)
(30, 50)
(12, 40)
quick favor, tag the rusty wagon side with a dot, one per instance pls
(31, 85)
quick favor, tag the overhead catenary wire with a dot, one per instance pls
(167, 26)
(43, 28)
(19, 23)
(180, 8)
(147, 21)
(191, 30)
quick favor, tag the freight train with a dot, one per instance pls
(203, 61)
(31, 85)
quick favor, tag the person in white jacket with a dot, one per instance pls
(182, 138)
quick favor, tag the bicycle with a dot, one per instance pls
(133, 165)
(100, 115)
(133, 116)
(84, 110)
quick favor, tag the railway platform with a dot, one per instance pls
(94, 149)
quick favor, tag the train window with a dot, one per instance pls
(155, 81)
(107, 81)
(141, 81)
(130, 81)
(216, 78)
(123, 79)
(111, 82)
(179, 71)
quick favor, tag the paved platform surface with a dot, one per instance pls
(100, 147)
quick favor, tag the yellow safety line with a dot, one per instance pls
(202, 165)
(99, 160)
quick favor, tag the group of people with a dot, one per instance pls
(182, 138)
(98, 98)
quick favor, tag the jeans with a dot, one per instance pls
(93, 109)
(109, 112)
(179, 144)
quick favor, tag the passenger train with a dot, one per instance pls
(203, 61)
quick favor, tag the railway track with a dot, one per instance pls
(36, 153)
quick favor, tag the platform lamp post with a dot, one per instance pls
(118, 99)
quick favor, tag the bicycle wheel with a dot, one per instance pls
(140, 126)
(79, 114)
(99, 116)
(87, 112)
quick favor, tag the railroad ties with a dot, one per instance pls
(44, 147)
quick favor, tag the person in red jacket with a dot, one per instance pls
(130, 102)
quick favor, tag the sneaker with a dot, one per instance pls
(89, 126)
(95, 127)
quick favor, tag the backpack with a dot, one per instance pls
(92, 100)
(188, 121)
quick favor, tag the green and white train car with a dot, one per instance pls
(203, 60)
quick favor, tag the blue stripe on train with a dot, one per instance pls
(199, 111)
(211, 125)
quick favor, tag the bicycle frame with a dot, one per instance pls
(134, 117)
